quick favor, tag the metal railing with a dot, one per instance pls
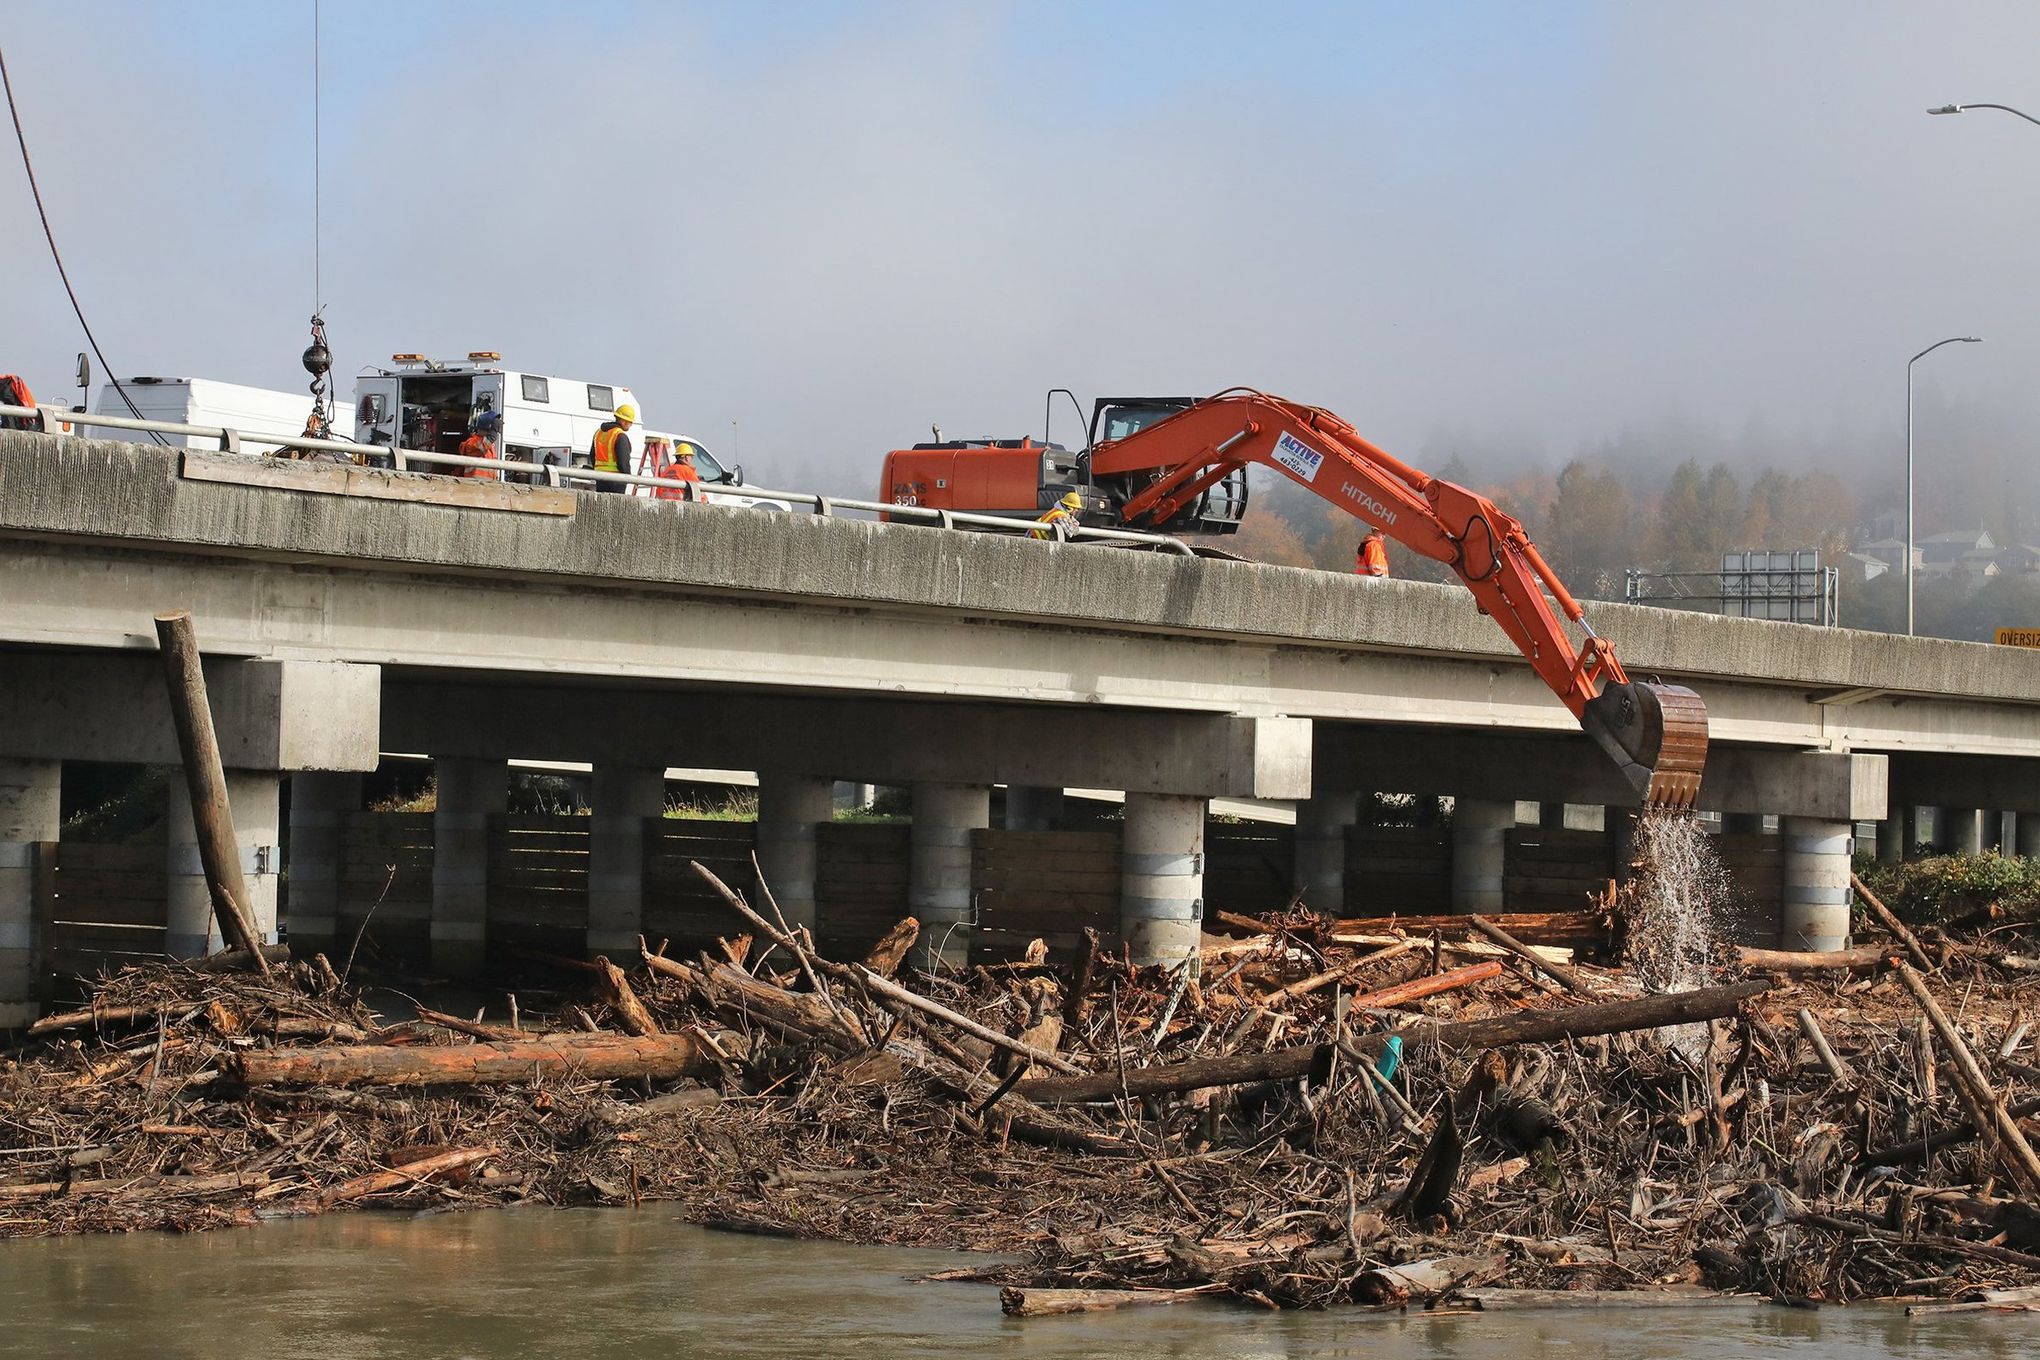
(50, 419)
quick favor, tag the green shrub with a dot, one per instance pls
(1950, 888)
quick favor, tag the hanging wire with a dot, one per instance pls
(21, 139)
(318, 357)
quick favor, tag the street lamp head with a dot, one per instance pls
(1971, 339)
(1947, 108)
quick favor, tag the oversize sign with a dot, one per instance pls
(2018, 637)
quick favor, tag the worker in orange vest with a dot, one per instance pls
(1372, 557)
(481, 443)
(672, 460)
(611, 449)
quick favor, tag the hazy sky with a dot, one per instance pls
(1516, 230)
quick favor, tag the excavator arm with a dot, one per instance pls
(1656, 734)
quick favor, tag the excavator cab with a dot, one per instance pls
(1217, 510)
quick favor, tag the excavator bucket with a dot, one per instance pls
(1657, 737)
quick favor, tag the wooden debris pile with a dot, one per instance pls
(1323, 1112)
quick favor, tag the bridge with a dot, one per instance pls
(348, 612)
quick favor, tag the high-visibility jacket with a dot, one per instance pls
(1371, 559)
(611, 448)
(662, 461)
(480, 446)
(1058, 517)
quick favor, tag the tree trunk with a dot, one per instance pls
(595, 1057)
(1524, 1027)
(616, 991)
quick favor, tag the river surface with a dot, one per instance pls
(589, 1284)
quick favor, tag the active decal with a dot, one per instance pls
(1299, 457)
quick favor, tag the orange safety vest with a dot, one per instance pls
(475, 446)
(1372, 559)
(662, 461)
(1057, 516)
(605, 447)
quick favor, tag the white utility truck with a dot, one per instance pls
(253, 411)
(430, 404)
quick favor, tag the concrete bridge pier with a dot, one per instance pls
(2026, 833)
(938, 866)
(1742, 823)
(1480, 829)
(1322, 821)
(1161, 878)
(1817, 897)
(1891, 838)
(790, 806)
(254, 798)
(1962, 830)
(29, 812)
(623, 797)
(470, 791)
(319, 803)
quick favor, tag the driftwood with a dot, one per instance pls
(892, 949)
(1990, 1110)
(1893, 924)
(1418, 988)
(1055, 1302)
(616, 991)
(1571, 980)
(1926, 1145)
(1530, 927)
(474, 1029)
(408, 1175)
(1525, 1027)
(1808, 961)
(656, 1058)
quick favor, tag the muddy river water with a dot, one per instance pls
(598, 1283)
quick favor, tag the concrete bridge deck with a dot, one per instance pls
(485, 622)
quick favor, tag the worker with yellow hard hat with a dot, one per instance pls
(1061, 518)
(611, 449)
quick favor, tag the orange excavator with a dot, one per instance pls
(1182, 466)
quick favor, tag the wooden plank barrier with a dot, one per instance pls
(1554, 869)
(1249, 867)
(102, 906)
(860, 884)
(1045, 885)
(679, 907)
(538, 883)
(1398, 870)
(386, 883)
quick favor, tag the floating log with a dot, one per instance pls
(1524, 1027)
(597, 1057)
(1489, 1300)
(1055, 1302)
(408, 1175)
(1530, 927)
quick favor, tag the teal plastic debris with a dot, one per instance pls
(1391, 1056)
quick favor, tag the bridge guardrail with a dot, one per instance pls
(49, 419)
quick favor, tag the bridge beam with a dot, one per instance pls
(871, 740)
(1486, 764)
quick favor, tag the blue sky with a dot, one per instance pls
(1508, 232)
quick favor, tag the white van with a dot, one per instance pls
(430, 405)
(253, 411)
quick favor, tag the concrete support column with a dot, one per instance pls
(29, 812)
(2025, 833)
(1033, 809)
(470, 792)
(1962, 830)
(938, 870)
(1817, 896)
(1322, 821)
(789, 808)
(1161, 877)
(1742, 824)
(1480, 830)
(319, 802)
(1912, 830)
(1994, 837)
(1891, 838)
(622, 797)
(1551, 816)
(254, 798)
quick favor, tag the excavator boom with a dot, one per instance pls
(1656, 734)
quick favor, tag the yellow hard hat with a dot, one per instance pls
(627, 414)
(1073, 501)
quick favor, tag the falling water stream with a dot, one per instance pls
(1676, 900)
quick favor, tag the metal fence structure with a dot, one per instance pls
(1788, 587)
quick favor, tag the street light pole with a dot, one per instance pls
(2003, 108)
(1951, 340)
